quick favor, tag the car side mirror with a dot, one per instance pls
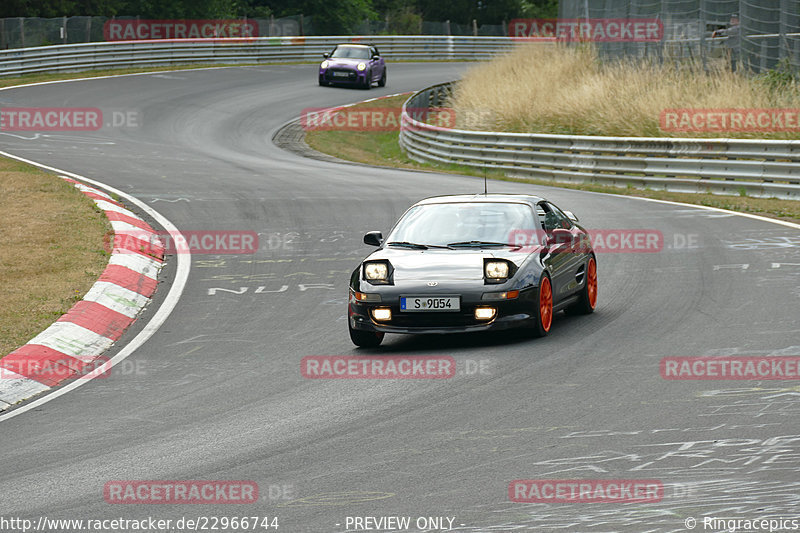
(571, 216)
(376, 56)
(373, 238)
(559, 236)
(326, 55)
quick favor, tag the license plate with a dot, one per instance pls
(341, 74)
(430, 304)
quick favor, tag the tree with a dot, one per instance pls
(465, 11)
(540, 9)
(329, 17)
(181, 9)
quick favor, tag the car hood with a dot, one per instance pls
(438, 265)
(345, 62)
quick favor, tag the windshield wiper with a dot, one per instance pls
(407, 244)
(414, 245)
(481, 244)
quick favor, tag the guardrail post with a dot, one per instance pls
(22, 32)
(474, 28)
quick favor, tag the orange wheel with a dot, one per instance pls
(591, 283)
(546, 304)
(543, 309)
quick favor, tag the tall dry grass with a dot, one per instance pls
(558, 89)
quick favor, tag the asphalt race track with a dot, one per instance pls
(217, 394)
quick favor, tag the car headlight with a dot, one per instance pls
(496, 269)
(324, 64)
(376, 271)
(361, 66)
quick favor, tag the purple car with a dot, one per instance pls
(360, 65)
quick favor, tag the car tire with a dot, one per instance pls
(366, 339)
(588, 297)
(544, 308)
(368, 81)
(322, 81)
(382, 81)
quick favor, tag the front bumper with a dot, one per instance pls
(345, 75)
(514, 313)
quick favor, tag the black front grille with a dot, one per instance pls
(423, 320)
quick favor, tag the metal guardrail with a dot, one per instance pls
(76, 57)
(760, 168)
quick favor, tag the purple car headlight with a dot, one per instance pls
(324, 64)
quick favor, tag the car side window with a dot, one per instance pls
(541, 214)
(547, 217)
(561, 220)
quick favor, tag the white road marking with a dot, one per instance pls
(707, 208)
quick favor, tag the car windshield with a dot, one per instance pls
(476, 223)
(352, 52)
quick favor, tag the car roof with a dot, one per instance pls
(354, 45)
(476, 198)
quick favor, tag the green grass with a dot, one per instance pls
(59, 76)
(51, 250)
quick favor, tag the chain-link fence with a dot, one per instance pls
(756, 35)
(32, 31)
(29, 32)
(425, 27)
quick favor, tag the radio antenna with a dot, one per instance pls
(485, 193)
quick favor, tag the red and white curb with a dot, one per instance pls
(69, 346)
